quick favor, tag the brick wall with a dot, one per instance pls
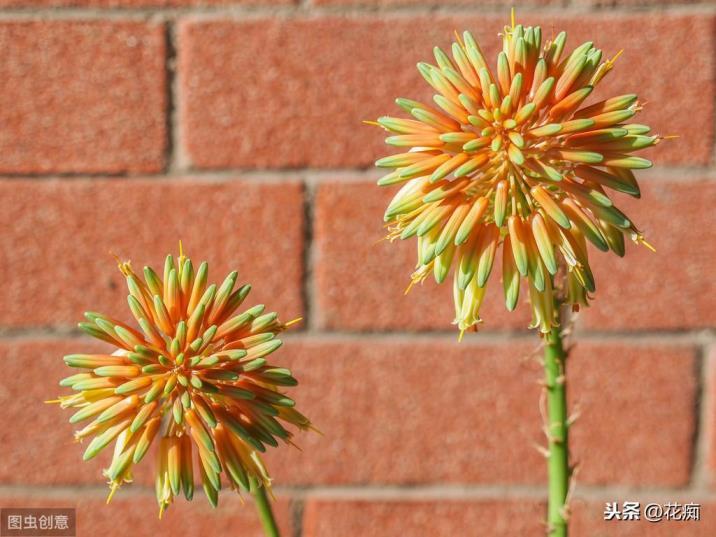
(235, 126)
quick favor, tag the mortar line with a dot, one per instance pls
(170, 75)
(686, 338)
(176, 161)
(695, 444)
(442, 491)
(713, 120)
(703, 432)
(297, 508)
(489, 491)
(644, 337)
(317, 176)
(308, 260)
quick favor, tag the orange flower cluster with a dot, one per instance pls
(195, 377)
(511, 157)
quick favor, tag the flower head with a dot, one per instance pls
(195, 378)
(510, 156)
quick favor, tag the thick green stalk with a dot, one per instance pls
(265, 513)
(557, 428)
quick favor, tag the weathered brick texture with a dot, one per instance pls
(303, 87)
(443, 518)
(136, 514)
(325, 518)
(61, 234)
(82, 97)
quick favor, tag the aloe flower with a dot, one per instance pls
(194, 381)
(513, 161)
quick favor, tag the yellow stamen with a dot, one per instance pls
(112, 489)
(125, 267)
(410, 286)
(641, 240)
(293, 321)
(611, 62)
(315, 429)
(180, 261)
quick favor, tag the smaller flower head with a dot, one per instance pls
(510, 157)
(194, 381)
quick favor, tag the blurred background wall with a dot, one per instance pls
(126, 125)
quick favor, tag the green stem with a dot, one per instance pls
(558, 458)
(265, 513)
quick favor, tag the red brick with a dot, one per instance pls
(36, 438)
(59, 232)
(82, 96)
(293, 93)
(135, 513)
(417, 411)
(360, 280)
(588, 518)
(413, 412)
(421, 518)
(672, 288)
(503, 516)
(637, 419)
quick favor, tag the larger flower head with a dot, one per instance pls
(511, 157)
(194, 380)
